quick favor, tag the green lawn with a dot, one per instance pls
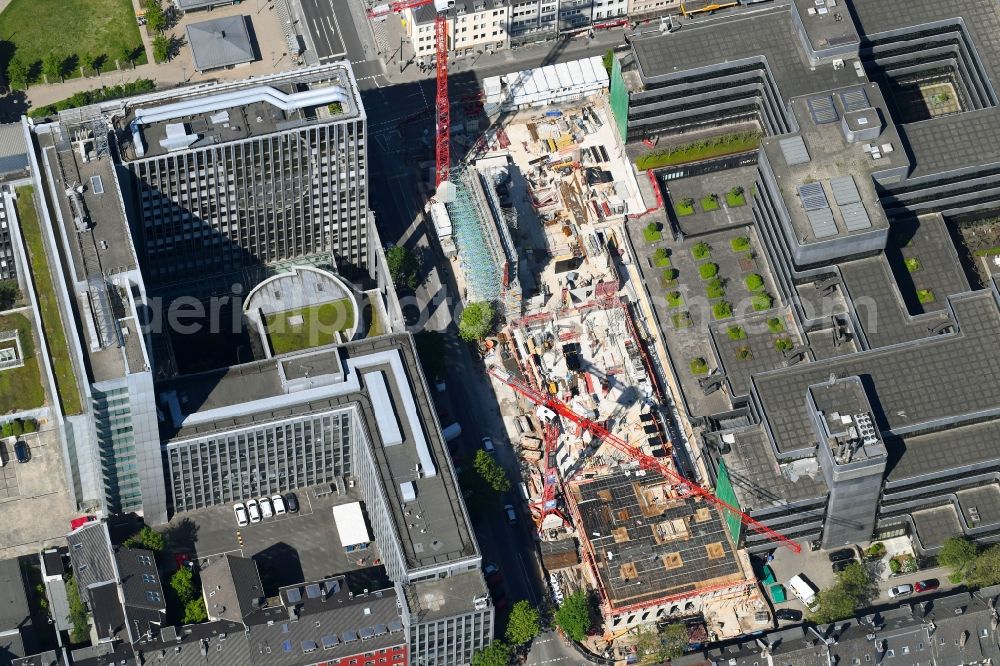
(735, 200)
(912, 264)
(375, 327)
(709, 203)
(318, 327)
(674, 299)
(722, 310)
(925, 295)
(681, 319)
(661, 258)
(70, 28)
(55, 334)
(762, 301)
(21, 388)
(683, 210)
(740, 243)
(652, 233)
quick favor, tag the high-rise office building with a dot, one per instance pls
(247, 174)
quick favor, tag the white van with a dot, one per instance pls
(803, 589)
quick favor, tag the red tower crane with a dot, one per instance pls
(645, 461)
(442, 106)
(550, 482)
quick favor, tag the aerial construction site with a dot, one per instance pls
(533, 221)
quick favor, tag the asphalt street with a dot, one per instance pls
(469, 399)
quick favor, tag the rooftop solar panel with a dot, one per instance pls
(813, 197)
(855, 99)
(794, 150)
(822, 109)
(821, 221)
(855, 216)
(845, 191)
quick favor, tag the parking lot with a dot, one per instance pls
(288, 549)
(35, 508)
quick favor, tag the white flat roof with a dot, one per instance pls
(351, 526)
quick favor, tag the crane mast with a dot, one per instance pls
(442, 106)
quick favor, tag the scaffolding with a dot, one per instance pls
(486, 251)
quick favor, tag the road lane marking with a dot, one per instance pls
(317, 25)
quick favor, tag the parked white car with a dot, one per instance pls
(265, 507)
(241, 515)
(254, 510)
(279, 505)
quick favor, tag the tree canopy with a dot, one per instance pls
(162, 46)
(9, 294)
(17, 72)
(496, 653)
(194, 611)
(840, 601)
(476, 322)
(147, 537)
(573, 615)
(675, 640)
(957, 553)
(404, 267)
(156, 18)
(182, 583)
(985, 569)
(523, 623)
(53, 67)
(80, 631)
(491, 471)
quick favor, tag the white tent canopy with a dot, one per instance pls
(560, 82)
(351, 526)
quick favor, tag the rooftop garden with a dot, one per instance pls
(735, 197)
(702, 149)
(651, 232)
(52, 324)
(21, 387)
(699, 366)
(740, 244)
(314, 326)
